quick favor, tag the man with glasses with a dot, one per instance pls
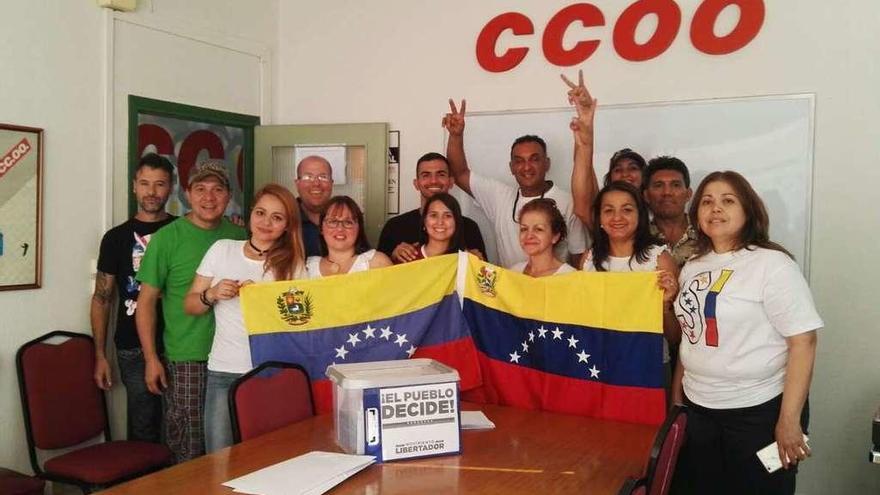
(501, 202)
(314, 185)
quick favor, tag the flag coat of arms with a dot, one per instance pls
(580, 343)
(409, 310)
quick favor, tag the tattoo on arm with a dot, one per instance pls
(103, 288)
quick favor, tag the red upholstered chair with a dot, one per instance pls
(664, 452)
(633, 486)
(270, 396)
(14, 483)
(65, 409)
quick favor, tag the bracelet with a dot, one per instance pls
(204, 298)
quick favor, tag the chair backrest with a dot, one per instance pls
(272, 395)
(664, 453)
(62, 405)
(633, 486)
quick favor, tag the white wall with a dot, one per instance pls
(54, 55)
(399, 61)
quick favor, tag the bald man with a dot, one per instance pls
(314, 185)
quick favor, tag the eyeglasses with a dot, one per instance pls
(312, 178)
(345, 224)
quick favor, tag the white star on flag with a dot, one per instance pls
(386, 333)
(594, 372)
(572, 342)
(514, 357)
(411, 351)
(341, 352)
(557, 334)
(542, 332)
(525, 346)
(369, 332)
(582, 357)
(401, 339)
(531, 336)
(353, 339)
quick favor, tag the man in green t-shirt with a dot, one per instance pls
(166, 271)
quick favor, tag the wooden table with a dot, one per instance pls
(527, 452)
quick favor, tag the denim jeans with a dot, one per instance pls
(144, 410)
(218, 426)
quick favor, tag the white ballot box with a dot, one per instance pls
(396, 409)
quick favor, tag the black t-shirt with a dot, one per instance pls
(408, 228)
(122, 249)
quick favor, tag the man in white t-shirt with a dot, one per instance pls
(501, 202)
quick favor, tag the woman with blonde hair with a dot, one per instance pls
(274, 251)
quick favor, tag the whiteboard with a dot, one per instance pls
(768, 139)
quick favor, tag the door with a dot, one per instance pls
(358, 153)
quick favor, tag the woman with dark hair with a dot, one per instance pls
(749, 342)
(622, 242)
(274, 251)
(344, 242)
(442, 227)
(626, 165)
(541, 228)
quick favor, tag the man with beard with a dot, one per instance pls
(118, 262)
(167, 271)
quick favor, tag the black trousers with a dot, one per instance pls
(718, 456)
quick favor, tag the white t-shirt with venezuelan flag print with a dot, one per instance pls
(736, 310)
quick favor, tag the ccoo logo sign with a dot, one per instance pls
(702, 32)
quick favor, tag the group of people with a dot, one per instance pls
(743, 368)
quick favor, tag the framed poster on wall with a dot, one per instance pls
(21, 156)
(186, 135)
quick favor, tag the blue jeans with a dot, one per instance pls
(218, 426)
(144, 410)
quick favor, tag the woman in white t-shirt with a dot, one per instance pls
(541, 228)
(344, 242)
(274, 251)
(622, 242)
(749, 342)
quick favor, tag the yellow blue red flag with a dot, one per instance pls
(580, 343)
(409, 310)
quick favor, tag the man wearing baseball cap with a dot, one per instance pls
(166, 271)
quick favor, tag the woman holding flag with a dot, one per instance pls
(274, 251)
(344, 242)
(541, 228)
(749, 342)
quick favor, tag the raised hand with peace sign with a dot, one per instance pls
(454, 120)
(585, 104)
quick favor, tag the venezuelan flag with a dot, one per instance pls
(580, 343)
(409, 310)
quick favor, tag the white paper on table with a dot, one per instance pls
(475, 420)
(309, 474)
